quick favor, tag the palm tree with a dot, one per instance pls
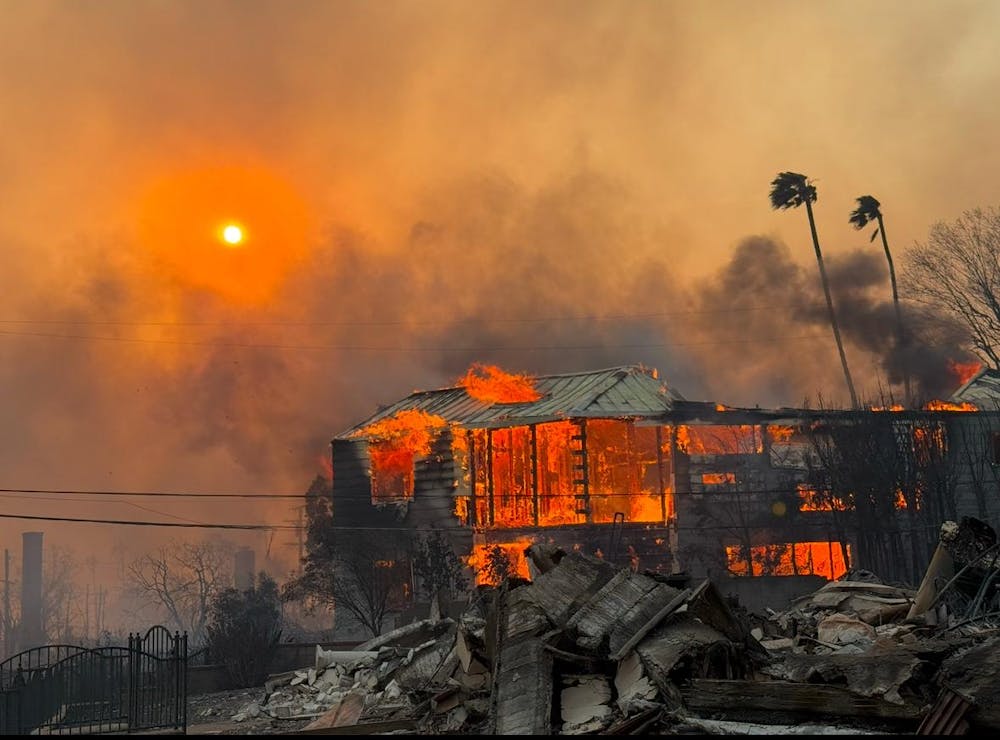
(791, 190)
(869, 210)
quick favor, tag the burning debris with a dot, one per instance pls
(588, 648)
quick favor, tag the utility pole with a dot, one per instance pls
(301, 536)
(7, 642)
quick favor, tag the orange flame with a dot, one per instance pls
(947, 406)
(711, 439)
(718, 479)
(811, 500)
(963, 372)
(824, 559)
(479, 559)
(394, 444)
(893, 407)
(490, 384)
(780, 434)
(326, 467)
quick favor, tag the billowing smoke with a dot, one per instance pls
(787, 345)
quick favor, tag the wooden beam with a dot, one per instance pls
(648, 627)
(738, 697)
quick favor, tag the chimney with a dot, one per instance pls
(243, 570)
(31, 590)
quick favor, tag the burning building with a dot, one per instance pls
(581, 460)
(616, 463)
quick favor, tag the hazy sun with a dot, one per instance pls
(188, 220)
(232, 234)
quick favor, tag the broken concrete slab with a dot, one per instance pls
(840, 629)
(345, 712)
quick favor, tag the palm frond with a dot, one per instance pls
(866, 212)
(791, 190)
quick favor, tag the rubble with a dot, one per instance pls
(589, 648)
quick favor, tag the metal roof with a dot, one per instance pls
(982, 389)
(617, 392)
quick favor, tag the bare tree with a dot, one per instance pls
(437, 566)
(182, 579)
(365, 574)
(957, 274)
(61, 607)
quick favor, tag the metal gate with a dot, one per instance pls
(71, 689)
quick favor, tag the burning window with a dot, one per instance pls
(716, 439)
(813, 499)
(543, 475)
(513, 500)
(394, 444)
(825, 559)
(718, 479)
(557, 493)
(392, 472)
(624, 471)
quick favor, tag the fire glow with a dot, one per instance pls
(479, 560)
(947, 406)
(964, 371)
(825, 559)
(394, 445)
(528, 476)
(490, 384)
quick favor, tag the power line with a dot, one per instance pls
(104, 501)
(164, 494)
(390, 348)
(402, 322)
(138, 523)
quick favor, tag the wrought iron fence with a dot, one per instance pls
(71, 689)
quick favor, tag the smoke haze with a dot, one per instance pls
(547, 186)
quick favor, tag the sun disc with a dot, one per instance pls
(232, 234)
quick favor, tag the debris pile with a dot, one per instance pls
(588, 648)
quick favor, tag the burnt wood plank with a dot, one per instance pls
(708, 695)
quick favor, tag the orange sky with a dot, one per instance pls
(421, 164)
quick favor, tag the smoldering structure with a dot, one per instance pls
(616, 463)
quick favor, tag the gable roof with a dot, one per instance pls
(630, 391)
(982, 389)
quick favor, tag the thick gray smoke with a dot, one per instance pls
(778, 305)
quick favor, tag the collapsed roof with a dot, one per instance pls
(630, 391)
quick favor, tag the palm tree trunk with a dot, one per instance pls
(900, 336)
(829, 306)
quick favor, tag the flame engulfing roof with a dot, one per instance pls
(982, 390)
(630, 391)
